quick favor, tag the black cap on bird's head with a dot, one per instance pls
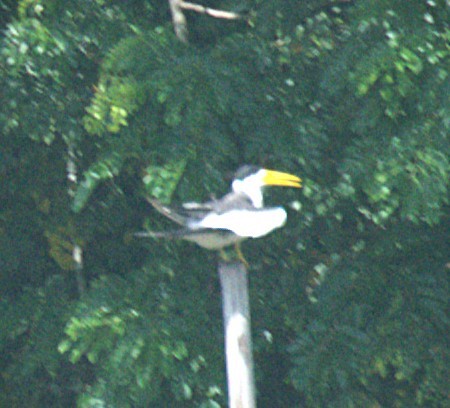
(250, 181)
(245, 171)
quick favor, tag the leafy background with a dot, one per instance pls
(102, 105)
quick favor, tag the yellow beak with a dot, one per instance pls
(277, 178)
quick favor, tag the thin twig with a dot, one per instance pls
(77, 251)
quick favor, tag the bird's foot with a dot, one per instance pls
(238, 256)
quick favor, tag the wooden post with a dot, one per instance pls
(238, 344)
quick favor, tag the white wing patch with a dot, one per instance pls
(245, 223)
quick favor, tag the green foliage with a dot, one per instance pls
(31, 329)
(161, 181)
(37, 69)
(405, 175)
(349, 300)
(372, 327)
(136, 349)
(103, 169)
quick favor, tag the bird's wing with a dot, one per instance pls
(197, 211)
(194, 206)
(168, 212)
(191, 213)
(231, 201)
(207, 238)
(250, 223)
(172, 234)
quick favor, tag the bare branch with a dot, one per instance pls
(228, 15)
(179, 20)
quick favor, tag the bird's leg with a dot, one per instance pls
(223, 254)
(240, 255)
(226, 256)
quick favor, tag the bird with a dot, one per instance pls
(237, 216)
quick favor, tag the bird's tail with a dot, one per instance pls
(175, 234)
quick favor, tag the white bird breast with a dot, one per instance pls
(245, 223)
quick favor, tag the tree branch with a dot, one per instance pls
(228, 15)
(179, 20)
